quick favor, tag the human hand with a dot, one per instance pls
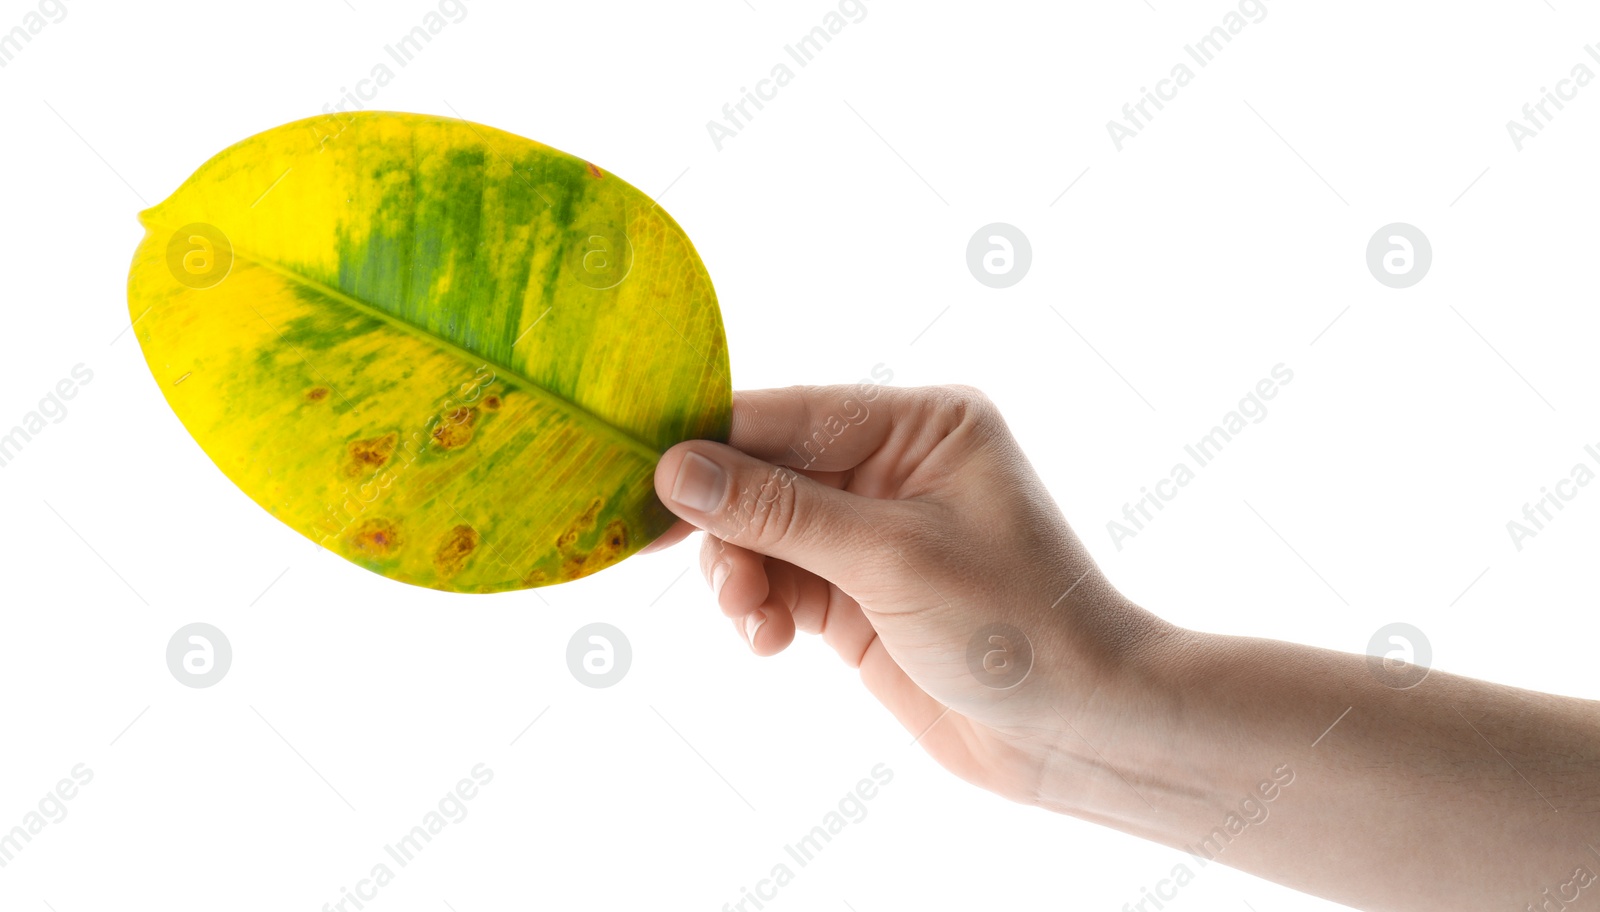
(906, 527)
(903, 525)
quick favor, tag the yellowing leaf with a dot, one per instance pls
(450, 354)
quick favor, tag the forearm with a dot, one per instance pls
(1300, 765)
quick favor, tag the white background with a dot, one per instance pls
(1229, 236)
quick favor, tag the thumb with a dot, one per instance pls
(771, 509)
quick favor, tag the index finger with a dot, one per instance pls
(817, 428)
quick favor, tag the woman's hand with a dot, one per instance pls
(907, 528)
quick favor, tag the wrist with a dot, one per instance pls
(1110, 744)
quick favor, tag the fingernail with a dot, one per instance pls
(752, 623)
(719, 575)
(700, 484)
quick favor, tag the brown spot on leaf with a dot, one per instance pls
(376, 538)
(317, 393)
(491, 403)
(454, 549)
(613, 541)
(594, 170)
(585, 521)
(454, 428)
(612, 545)
(368, 454)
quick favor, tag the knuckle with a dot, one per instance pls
(966, 406)
(712, 551)
(768, 508)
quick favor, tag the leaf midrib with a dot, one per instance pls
(644, 448)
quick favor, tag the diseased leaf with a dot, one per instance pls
(450, 354)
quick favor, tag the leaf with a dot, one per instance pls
(450, 354)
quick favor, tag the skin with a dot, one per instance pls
(905, 528)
